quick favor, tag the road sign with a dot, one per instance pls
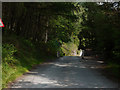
(1, 23)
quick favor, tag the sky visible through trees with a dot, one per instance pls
(66, 27)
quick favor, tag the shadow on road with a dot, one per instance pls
(66, 72)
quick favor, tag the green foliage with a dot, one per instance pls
(45, 23)
(8, 51)
(101, 32)
(52, 27)
(114, 69)
(75, 39)
(53, 46)
(28, 43)
(18, 58)
(62, 28)
(69, 48)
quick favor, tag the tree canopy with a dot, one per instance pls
(87, 25)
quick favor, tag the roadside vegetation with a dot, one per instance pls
(36, 32)
(19, 56)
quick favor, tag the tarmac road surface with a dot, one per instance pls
(66, 72)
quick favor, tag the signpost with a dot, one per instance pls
(1, 23)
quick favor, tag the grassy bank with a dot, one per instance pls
(113, 69)
(19, 56)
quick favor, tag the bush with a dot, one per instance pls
(54, 47)
(76, 40)
(114, 69)
(8, 51)
(78, 52)
(69, 48)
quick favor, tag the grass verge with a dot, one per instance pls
(19, 56)
(114, 70)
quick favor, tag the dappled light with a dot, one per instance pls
(66, 72)
(100, 61)
(60, 44)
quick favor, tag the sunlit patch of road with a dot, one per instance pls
(65, 72)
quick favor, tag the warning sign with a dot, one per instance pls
(1, 23)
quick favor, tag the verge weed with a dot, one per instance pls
(19, 56)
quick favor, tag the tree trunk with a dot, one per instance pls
(46, 33)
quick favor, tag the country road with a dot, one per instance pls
(66, 72)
